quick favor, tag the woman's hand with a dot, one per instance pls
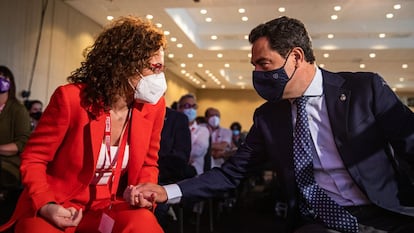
(137, 199)
(60, 216)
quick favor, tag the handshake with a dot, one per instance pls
(145, 195)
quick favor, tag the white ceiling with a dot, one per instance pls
(356, 35)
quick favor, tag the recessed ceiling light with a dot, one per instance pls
(166, 33)
(173, 39)
(213, 37)
(171, 55)
(190, 55)
(401, 79)
(179, 45)
(208, 19)
(182, 65)
(322, 65)
(158, 25)
(245, 18)
(330, 36)
(362, 66)
(404, 66)
(337, 8)
(242, 10)
(219, 55)
(200, 65)
(334, 17)
(326, 55)
(203, 11)
(372, 55)
(149, 17)
(397, 6)
(109, 17)
(223, 86)
(281, 9)
(389, 15)
(227, 65)
(246, 37)
(183, 71)
(381, 35)
(203, 86)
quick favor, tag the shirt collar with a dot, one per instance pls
(315, 88)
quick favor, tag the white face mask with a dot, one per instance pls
(214, 121)
(150, 88)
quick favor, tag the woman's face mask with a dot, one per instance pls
(4, 85)
(271, 84)
(150, 88)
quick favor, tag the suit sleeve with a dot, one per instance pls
(41, 149)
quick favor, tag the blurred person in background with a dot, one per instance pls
(35, 108)
(14, 133)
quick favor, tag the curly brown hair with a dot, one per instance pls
(124, 47)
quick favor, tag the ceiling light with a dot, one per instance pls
(330, 36)
(244, 18)
(334, 17)
(389, 15)
(166, 33)
(242, 10)
(173, 39)
(213, 37)
(362, 66)
(203, 86)
(281, 9)
(404, 66)
(322, 65)
(158, 25)
(190, 55)
(109, 17)
(337, 8)
(183, 71)
(246, 37)
(240, 77)
(372, 55)
(203, 11)
(326, 55)
(208, 19)
(179, 45)
(219, 55)
(223, 87)
(249, 55)
(401, 79)
(227, 65)
(182, 65)
(171, 55)
(381, 35)
(397, 6)
(200, 65)
(149, 17)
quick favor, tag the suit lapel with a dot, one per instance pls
(337, 103)
(97, 128)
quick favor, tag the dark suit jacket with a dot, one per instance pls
(366, 117)
(175, 147)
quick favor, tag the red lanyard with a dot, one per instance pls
(119, 158)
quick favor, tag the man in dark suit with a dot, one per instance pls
(361, 135)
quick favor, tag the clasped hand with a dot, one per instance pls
(145, 195)
(60, 216)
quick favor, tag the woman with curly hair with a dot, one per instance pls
(102, 127)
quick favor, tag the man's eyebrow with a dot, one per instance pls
(258, 61)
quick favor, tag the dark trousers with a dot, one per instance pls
(371, 219)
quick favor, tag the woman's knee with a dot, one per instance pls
(137, 221)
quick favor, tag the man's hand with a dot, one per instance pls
(155, 191)
(60, 216)
(137, 199)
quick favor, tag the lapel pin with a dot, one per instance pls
(343, 97)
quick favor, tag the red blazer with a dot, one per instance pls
(60, 157)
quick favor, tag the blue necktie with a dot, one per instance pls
(314, 200)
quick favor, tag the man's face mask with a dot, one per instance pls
(4, 84)
(271, 84)
(36, 115)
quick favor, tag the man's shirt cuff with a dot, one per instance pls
(174, 193)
